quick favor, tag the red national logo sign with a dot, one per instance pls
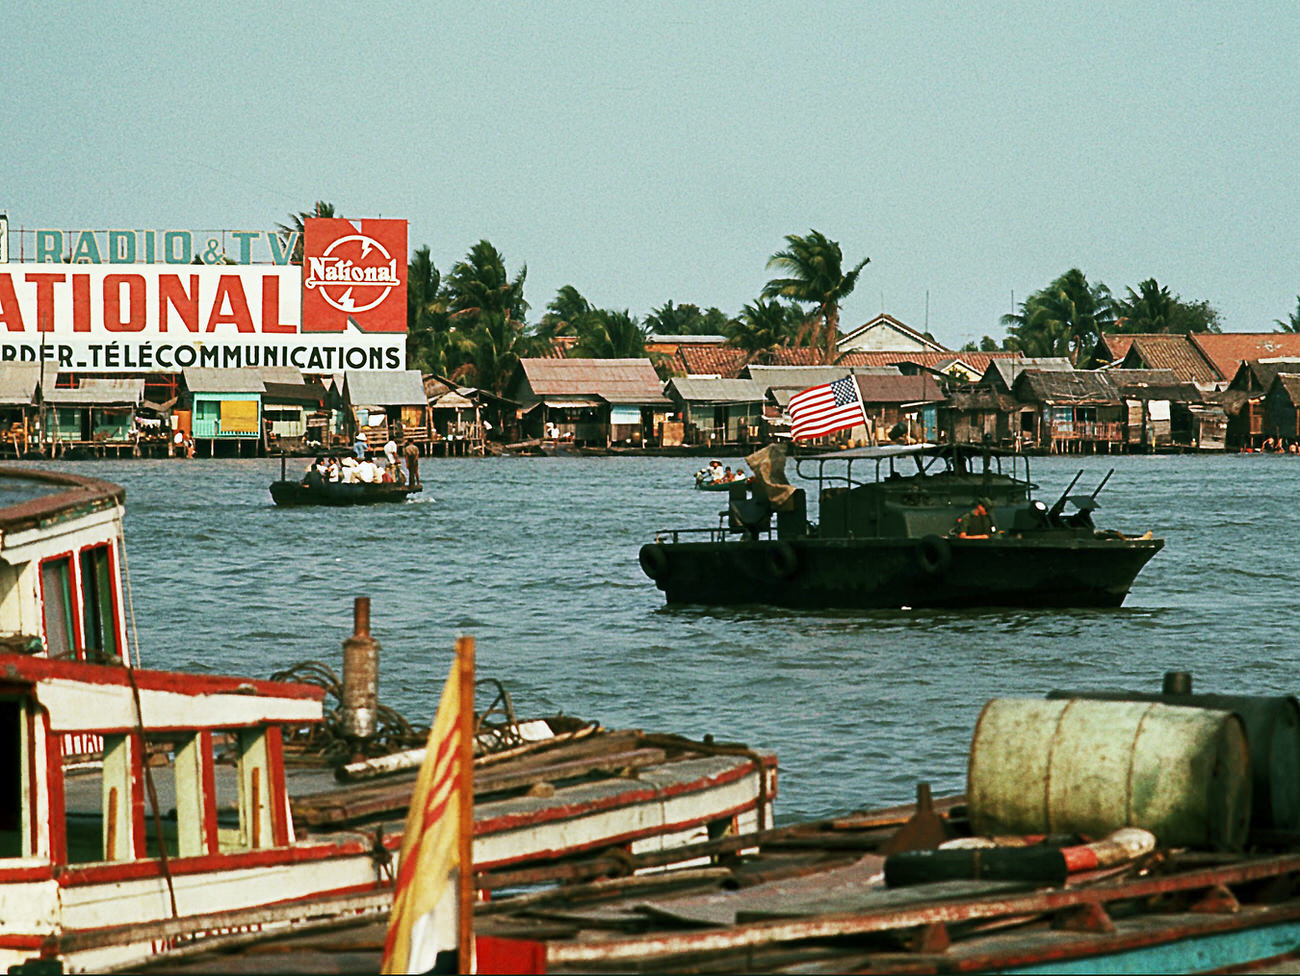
(354, 271)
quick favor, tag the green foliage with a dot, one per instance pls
(767, 324)
(1293, 323)
(986, 344)
(813, 265)
(1153, 309)
(297, 223)
(605, 334)
(1064, 319)
(566, 309)
(670, 319)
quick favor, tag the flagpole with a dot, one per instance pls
(465, 915)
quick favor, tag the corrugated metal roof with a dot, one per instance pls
(18, 382)
(697, 389)
(629, 381)
(203, 379)
(921, 387)
(378, 388)
(795, 377)
(279, 374)
(100, 393)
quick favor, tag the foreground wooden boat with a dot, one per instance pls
(144, 812)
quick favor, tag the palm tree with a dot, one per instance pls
(480, 285)
(429, 333)
(605, 334)
(1293, 323)
(765, 324)
(1149, 309)
(485, 310)
(814, 265)
(564, 312)
(297, 224)
(1064, 319)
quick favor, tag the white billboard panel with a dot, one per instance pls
(162, 318)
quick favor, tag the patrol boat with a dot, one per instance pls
(937, 526)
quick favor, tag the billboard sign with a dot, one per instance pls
(148, 318)
(354, 273)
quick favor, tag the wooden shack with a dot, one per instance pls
(594, 402)
(1074, 412)
(98, 415)
(224, 406)
(717, 411)
(20, 385)
(1157, 409)
(1282, 407)
(1252, 382)
(384, 404)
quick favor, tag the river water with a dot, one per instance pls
(537, 559)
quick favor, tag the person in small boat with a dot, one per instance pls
(411, 455)
(348, 470)
(359, 448)
(978, 522)
(315, 475)
(332, 470)
(366, 472)
(390, 452)
(715, 470)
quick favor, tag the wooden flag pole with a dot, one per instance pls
(465, 915)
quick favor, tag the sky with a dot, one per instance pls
(652, 152)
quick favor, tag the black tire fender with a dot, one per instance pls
(934, 553)
(782, 560)
(653, 560)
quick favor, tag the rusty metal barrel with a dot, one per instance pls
(1272, 731)
(1090, 767)
(360, 675)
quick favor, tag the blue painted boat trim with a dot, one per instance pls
(1200, 954)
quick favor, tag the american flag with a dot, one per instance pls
(827, 408)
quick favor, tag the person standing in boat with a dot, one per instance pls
(411, 455)
(359, 448)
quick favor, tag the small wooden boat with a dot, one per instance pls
(334, 494)
(290, 494)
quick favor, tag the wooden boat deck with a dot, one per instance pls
(809, 898)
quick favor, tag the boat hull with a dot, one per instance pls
(1057, 570)
(294, 494)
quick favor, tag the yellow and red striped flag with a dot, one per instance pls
(432, 898)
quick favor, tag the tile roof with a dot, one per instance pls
(1228, 350)
(384, 388)
(629, 381)
(1174, 352)
(724, 361)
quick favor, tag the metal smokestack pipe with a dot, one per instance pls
(360, 675)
